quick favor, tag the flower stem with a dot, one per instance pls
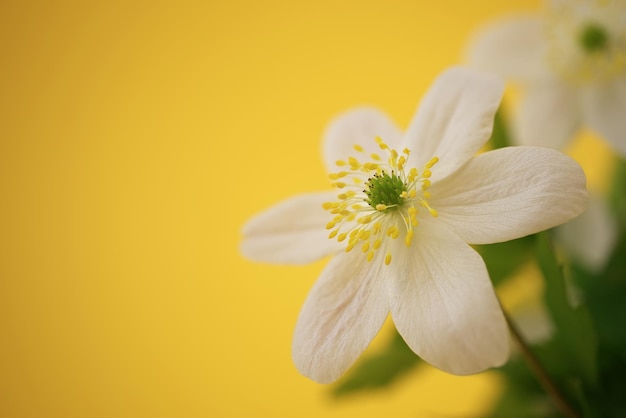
(540, 372)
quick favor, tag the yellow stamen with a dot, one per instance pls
(408, 238)
(432, 162)
(370, 166)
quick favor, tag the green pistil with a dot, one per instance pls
(385, 189)
(593, 38)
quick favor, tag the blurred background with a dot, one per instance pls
(135, 140)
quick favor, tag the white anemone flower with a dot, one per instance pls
(571, 63)
(400, 225)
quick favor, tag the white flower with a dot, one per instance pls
(401, 224)
(572, 65)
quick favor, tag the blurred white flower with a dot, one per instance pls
(404, 221)
(591, 237)
(572, 65)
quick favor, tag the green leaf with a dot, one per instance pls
(605, 296)
(378, 370)
(499, 135)
(522, 396)
(504, 258)
(617, 195)
(605, 293)
(574, 333)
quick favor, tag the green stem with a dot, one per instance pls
(540, 372)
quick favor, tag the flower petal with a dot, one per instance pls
(549, 114)
(454, 119)
(592, 236)
(444, 305)
(343, 312)
(604, 112)
(359, 126)
(291, 232)
(513, 48)
(509, 193)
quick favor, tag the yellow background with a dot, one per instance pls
(135, 140)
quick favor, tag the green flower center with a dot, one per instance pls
(385, 189)
(593, 38)
(586, 44)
